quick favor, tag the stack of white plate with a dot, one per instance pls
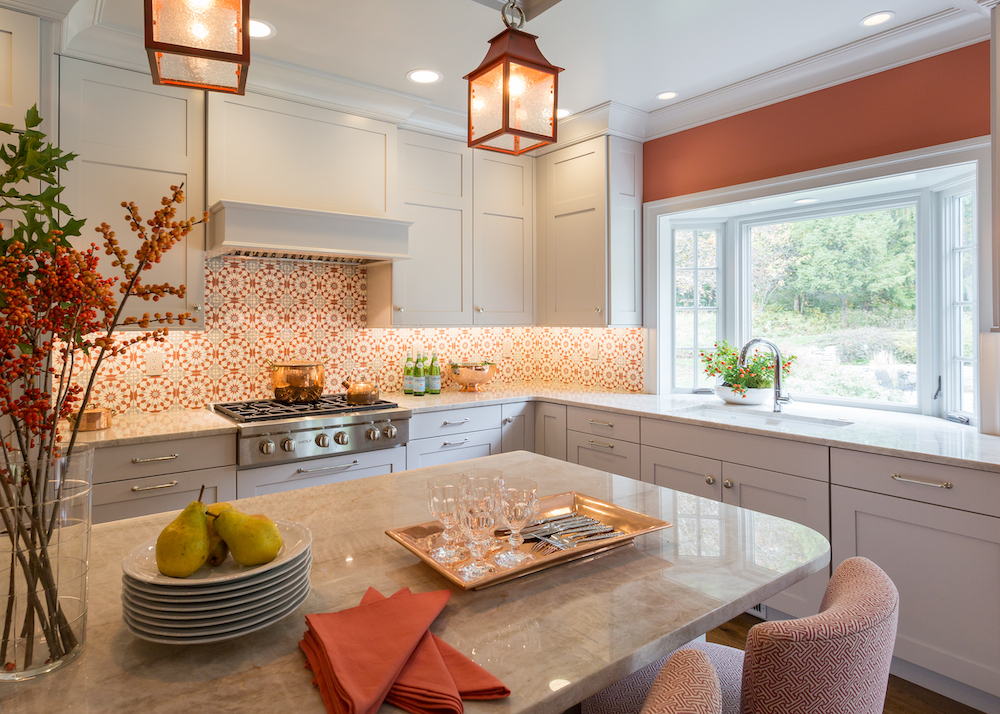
(215, 604)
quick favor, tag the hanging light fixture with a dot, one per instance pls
(203, 44)
(513, 94)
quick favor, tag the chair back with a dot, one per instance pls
(836, 661)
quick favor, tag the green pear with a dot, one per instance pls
(182, 547)
(218, 551)
(253, 540)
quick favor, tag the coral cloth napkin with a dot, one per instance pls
(383, 651)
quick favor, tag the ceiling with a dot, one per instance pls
(720, 56)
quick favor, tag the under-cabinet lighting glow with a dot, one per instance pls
(878, 18)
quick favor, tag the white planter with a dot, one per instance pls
(753, 396)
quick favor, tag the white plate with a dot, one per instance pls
(179, 592)
(189, 621)
(158, 601)
(204, 640)
(140, 563)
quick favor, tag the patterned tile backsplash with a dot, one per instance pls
(260, 310)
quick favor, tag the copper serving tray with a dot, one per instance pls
(630, 523)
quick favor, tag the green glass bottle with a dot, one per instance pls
(419, 379)
(408, 375)
(434, 375)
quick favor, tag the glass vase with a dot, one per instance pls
(44, 552)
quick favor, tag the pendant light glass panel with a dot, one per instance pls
(486, 112)
(532, 100)
(198, 71)
(205, 24)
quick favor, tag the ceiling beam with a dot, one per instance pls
(531, 8)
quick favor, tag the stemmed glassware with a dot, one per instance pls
(443, 497)
(477, 508)
(518, 507)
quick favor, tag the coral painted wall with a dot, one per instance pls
(259, 310)
(934, 101)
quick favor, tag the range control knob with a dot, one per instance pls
(267, 447)
(341, 438)
(288, 445)
(373, 434)
(323, 441)
(390, 432)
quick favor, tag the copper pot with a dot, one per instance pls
(360, 390)
(297, 382)
(93, 418)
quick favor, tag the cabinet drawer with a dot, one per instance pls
(611, 455)
(682, 472)
(971, 490)
(454, 421)
(604, 424)
(117, 463)
(156, 494)
(763, 452)
(445, 450)
(319, 472)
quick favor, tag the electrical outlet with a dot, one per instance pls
(154, 363)
(594, 351)
(508, 348)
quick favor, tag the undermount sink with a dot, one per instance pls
(741, 416)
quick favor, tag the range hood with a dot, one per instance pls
(260, 231)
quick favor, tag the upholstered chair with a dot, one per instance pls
(836, 661)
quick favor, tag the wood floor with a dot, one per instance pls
(901, 698)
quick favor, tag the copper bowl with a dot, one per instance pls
(471, 376)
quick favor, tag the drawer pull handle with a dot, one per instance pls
(454, 443)
(727, 483)
(171, 457)
(922, 482)
(600, 423)
(137, 489)
(453, 423)
(710, 480)
(327, 468)
(597, 443)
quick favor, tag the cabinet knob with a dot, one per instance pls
(710, 480)
(597, 309)
(399, 308)
(727, 484)
(196, 307)
(479, 309)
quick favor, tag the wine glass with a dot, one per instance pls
(518, 506)
(477, 508)
(443, 494)
(492, 543)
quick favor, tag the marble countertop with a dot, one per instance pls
(585, 624)
(874, 431)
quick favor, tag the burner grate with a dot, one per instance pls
(270, 410)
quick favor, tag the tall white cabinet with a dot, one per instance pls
(19, 66)
(590, 234)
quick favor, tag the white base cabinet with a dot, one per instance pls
(437, 450)
(550, 430)
(682, 472)
(517, 427)
(157, 494)
(319, 472)
(611, 455)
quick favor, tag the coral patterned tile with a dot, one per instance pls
(195, 354)
(333, 285)
(233, 353)
(139, 352)
(270, 317)
(303, 317)
(233, 281)
(303, 347)
(609, 376)
(262, 387)
(195, 391)
(302, 284)
(154, 394)
(269, 349)
(112, 393)
(234, 387)
(269, 282)
(233, 317)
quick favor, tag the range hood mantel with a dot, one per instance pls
(251, 229)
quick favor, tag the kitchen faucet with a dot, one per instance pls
(779, 398)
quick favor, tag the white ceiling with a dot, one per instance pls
(721, 56)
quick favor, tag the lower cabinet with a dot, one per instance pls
(682, 472)
(550, 430)
(155, 494)
(437, 450)
(611, 455)
(945, 563)
(318, 472)
(517, 427)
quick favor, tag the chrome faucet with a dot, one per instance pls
(779, 398)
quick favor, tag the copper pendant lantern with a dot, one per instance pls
(513, 94)
(204, 44)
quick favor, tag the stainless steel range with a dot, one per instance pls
(274, 433)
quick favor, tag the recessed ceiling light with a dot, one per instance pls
(803, 201)
(563, 113)
(663, 96)
(878, 18)
(423, 76)
(261, 30)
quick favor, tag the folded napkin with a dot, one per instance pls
(375, 652)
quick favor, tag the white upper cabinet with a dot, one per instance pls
(280, 153)
(19, 66)
(471, 242)
(134, 141)
(590, 237)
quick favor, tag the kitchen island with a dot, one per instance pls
(553, 637)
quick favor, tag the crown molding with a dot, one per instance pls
(933, 35)
(60, 10)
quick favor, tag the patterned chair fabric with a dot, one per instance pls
(687, 684)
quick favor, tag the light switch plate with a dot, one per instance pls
(154, 363)
(594, 351)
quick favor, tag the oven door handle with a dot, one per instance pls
(327, 468)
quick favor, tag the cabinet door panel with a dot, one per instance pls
(155, 494)
(945, 564)
(624, 231)
(683, 472)
(318, 472)
(19, 66)
(518, 427)
(792, 498)
(550, 430)
(436, 451)
(611, 455)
